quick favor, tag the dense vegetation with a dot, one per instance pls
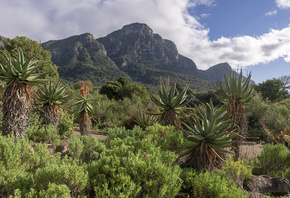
(164, 147)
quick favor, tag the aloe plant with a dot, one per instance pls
(84, 110)
(19, 74)
(144, 119)
(50, 96)
(209, 131)
(235, 93)
(170, 103)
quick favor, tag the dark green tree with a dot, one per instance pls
(123, 88)
(32, 49)
(273, 90)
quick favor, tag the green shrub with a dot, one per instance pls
(237, 171)
(213, 184)
(85, 149)
(166, 137)
(55, 191)
(187, 176)
(273, 161)
(111, 113)
(122, 133)
(163, 136)
(18, 161)
(46, 134)
(13, 179)
(134, 167)
(1, 120)
(73, 176)
(65, 126)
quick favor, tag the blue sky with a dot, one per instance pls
(227, 18)
(249, 34)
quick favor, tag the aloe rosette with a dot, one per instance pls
(208, 130)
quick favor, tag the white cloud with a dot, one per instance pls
(284, 4)
(54, 19)
(205, 15)
(274, 12)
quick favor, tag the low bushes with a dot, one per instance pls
(273, 161)
(129, 163)
(224, 183)
(133, 165)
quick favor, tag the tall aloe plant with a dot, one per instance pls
(208, 129)
(235, 93)
(50, 96)
(170, 103)
(19, 74)
(84, 110)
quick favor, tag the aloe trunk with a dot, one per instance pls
(16, 109)
(85, 123)
(50, 114)
(171, 118)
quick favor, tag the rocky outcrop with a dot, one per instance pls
(267, 185)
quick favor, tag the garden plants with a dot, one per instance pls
(20, 74)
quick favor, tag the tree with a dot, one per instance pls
(123, 88)
(235, 93)
(273, 90)
(286, 81)
(20, 74)
(33, 49)
(50, 96)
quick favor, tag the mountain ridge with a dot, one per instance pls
(134, 52)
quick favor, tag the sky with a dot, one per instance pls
(250, 34)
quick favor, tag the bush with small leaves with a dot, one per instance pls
(133, 167)
(213, 184)
(53, 191)
(84, 149)
(273, 161)
(18, 161)
(165, 137)
(237, 171)
(56, 191)
(73, 176)
(45, 134)
(65, 126)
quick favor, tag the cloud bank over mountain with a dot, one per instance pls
(54, 19)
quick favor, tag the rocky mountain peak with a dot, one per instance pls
(137, 28)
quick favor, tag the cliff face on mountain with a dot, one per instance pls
(134, 52)
(136, 45)
(83, 58)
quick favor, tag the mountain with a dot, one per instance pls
(134, 52)
(146, 57)
(83, 58)
(216, 72)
